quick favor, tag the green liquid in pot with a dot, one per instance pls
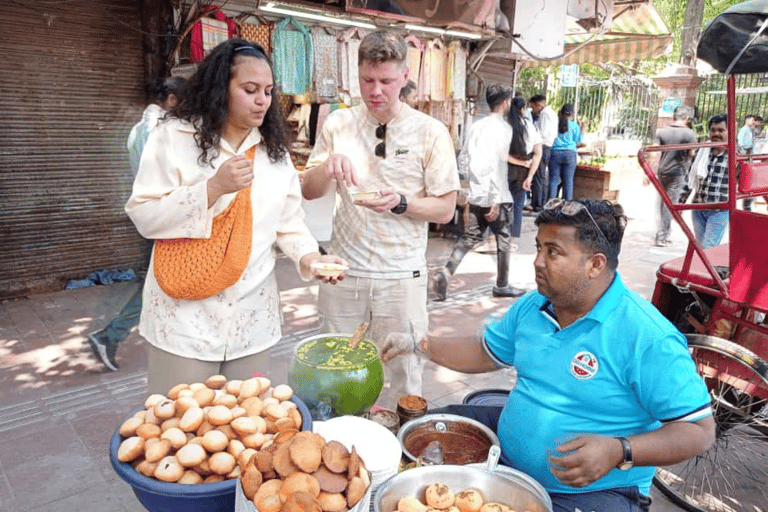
(328, 368)
(336, 353)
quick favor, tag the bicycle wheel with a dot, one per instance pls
(732, 476)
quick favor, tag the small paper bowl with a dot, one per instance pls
(328, 269)
(364, 196)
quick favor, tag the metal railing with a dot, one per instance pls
(615, 108)
(752, 92)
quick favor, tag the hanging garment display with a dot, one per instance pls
(286, 104)
(442, 111)
(437, 69)
(456, 77)
(349, 44)
(210, 30)
(457, 122)
(292, 58)
(415, 63)
(326, 64)
(258, 34)
(300, 116)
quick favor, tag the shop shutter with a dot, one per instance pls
(71, 87)
(493, 70)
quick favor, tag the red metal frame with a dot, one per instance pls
(745, 292)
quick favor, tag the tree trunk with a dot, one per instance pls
(158, 38)
(694, 14)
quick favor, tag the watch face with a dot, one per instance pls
(625, 465)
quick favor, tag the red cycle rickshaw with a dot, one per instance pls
(719, 298)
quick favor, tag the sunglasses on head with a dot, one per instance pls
(381, 148)
(572, 208)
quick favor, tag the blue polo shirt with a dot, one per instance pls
(620, 370)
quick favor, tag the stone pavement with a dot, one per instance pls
(59, 406)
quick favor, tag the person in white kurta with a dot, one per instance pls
(180, 189)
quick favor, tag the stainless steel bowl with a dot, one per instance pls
(507, 489)
(437, 424)
(518, 477)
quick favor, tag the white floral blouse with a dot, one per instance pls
(170, 200)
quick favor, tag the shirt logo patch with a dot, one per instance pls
(584, 365)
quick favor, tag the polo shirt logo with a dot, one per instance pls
(584, 365)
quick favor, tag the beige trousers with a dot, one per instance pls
(390, 305)
(166, 369)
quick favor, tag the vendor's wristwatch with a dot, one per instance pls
(627, 462)
(401, 207)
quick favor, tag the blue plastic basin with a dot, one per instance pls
(157, 496)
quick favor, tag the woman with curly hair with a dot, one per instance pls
(225, 135)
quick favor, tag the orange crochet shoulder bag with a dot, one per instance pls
(198, 268)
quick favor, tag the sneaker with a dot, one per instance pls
(507, 291)
(663, 243)
(105, 350)
(441, 286)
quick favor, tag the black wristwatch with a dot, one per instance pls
(401, 207)
(627, 462)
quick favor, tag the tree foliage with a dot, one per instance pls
(673, 14)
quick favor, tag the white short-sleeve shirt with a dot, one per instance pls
(420, 161)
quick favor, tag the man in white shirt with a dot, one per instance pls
(404, 159)
(485, 156)
(547, 126)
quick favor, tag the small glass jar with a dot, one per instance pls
(409, 407)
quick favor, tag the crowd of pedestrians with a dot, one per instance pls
(701, 176)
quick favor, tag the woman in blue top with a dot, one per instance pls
(562, 161)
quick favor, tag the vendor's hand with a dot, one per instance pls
(585, 459)
(385, 201)
(493, 213)
(233, 175)
(396, 344)
(646, 181)
(340, 168)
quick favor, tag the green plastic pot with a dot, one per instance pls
(326, 369)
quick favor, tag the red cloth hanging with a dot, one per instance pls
(196, 51)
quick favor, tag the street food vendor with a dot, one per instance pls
(606, 388)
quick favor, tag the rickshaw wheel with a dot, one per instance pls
(731, 476)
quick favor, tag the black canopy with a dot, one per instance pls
(730, 32)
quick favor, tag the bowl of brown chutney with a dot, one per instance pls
(463, 440)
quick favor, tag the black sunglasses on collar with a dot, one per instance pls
(381, 148)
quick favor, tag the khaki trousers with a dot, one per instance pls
(166, 369)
